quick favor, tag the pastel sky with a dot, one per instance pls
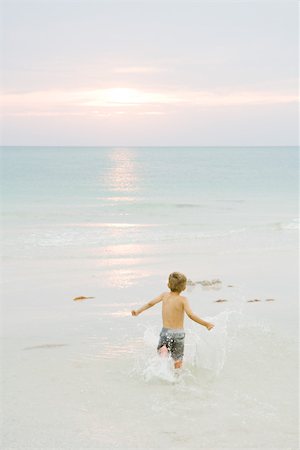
(149, 72)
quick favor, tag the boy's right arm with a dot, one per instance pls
(147, 305)
(194, 317)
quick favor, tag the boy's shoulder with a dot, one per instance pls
(165, 294)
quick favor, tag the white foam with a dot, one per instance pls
(205, 352)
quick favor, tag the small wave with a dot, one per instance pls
(293, 225)
(189, 205)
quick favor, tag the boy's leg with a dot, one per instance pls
(178, 350)
(178, 364)
(163, 351)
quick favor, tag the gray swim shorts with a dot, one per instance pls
(173, 339)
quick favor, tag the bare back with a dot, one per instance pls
(172, 310)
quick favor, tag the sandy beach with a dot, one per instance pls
(67, 365)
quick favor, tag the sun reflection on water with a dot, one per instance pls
(111, 225)
(122, 181)
(122, 173)
(118, 199)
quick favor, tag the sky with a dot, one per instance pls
(149, 72)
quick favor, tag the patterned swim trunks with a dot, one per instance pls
(173, 339)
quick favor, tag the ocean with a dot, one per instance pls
(112, 223)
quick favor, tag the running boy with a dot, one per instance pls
(174, 306)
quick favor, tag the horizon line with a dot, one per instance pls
(154, 146)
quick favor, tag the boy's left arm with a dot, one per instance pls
(148, 305)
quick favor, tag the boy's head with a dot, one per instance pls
(177, 282)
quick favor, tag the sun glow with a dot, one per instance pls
(120, 101)
(125, 96)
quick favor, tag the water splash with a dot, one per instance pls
(205, 352)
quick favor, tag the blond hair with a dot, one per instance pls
(177, 282)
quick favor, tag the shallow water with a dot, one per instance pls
(112, 224)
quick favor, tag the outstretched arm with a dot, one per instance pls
(194, 317)
(147, 305)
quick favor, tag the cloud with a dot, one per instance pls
(137, 70)
(108, 101)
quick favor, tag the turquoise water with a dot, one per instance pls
(160, 176)
(71, 197)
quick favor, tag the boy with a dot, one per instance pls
(174, 306)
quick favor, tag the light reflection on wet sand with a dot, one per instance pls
(105, 349)
(125, 265)
(127, 250)
(120, 262)
(123, 278)
(116, 305)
